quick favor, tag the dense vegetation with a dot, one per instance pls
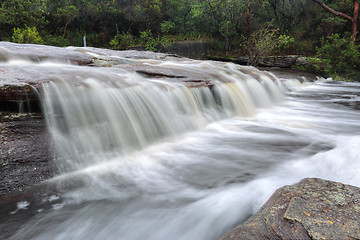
(236, 27)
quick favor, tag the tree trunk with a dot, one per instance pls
(248, 19)
(67, 23)
(184, 19)
(352, 19)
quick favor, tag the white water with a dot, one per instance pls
(110, 116)
(160, 161)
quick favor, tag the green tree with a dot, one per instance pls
(260, 43)
(151, 12)
(123, 41)
(66, 14)
(288, 13)
(339, 55)
(18, 13)
(228, 18)
(352, 19)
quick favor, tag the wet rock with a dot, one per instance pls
(288, 73)
(40, 53)
(88, 56)
(289, 61)
(25, 151)
(278, 61)
(311, 209)
(25, 155)
(125, 56)
(267, 61)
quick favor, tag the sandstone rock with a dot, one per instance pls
(311, 209)
(289, 61)
(278, 61)
(267, 61)
(25, 155)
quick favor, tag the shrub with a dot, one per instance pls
(340, 55)
(123, 41)
(150, 43)
(260, 43)
(58, 41)
(167, 27)
(26, 35)
(284, 42)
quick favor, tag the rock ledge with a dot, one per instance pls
(311, 209)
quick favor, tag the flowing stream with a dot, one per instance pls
(145, 158)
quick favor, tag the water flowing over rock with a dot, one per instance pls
(148, 144)
(149, 92)
(312, 209)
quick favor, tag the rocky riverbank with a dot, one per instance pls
(311, 209)
(25, 145)
(289, 61)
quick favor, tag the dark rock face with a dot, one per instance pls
(25, 155)
(311, 209)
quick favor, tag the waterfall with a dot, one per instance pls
(166, 148)
(98, 116)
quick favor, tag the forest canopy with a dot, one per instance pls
(234, 26)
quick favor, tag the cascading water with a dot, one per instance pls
(146, 158)
(116, 115)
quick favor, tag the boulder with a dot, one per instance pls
(311, 209)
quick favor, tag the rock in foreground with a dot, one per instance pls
(311, 209)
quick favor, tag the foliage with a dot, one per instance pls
(18, 13)
(105, 21)
(260, 43)
(150, 43)
(283, 43)
(26, 35)
(339, 55)
(54, 40)
(167, 27)
(228, 31)
(297, 26)
(287, 13)
(66, 14)
(123, 41)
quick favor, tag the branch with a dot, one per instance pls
(333, 11)
(248, 18)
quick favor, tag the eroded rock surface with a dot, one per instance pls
(25, 155)
(311, 209)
